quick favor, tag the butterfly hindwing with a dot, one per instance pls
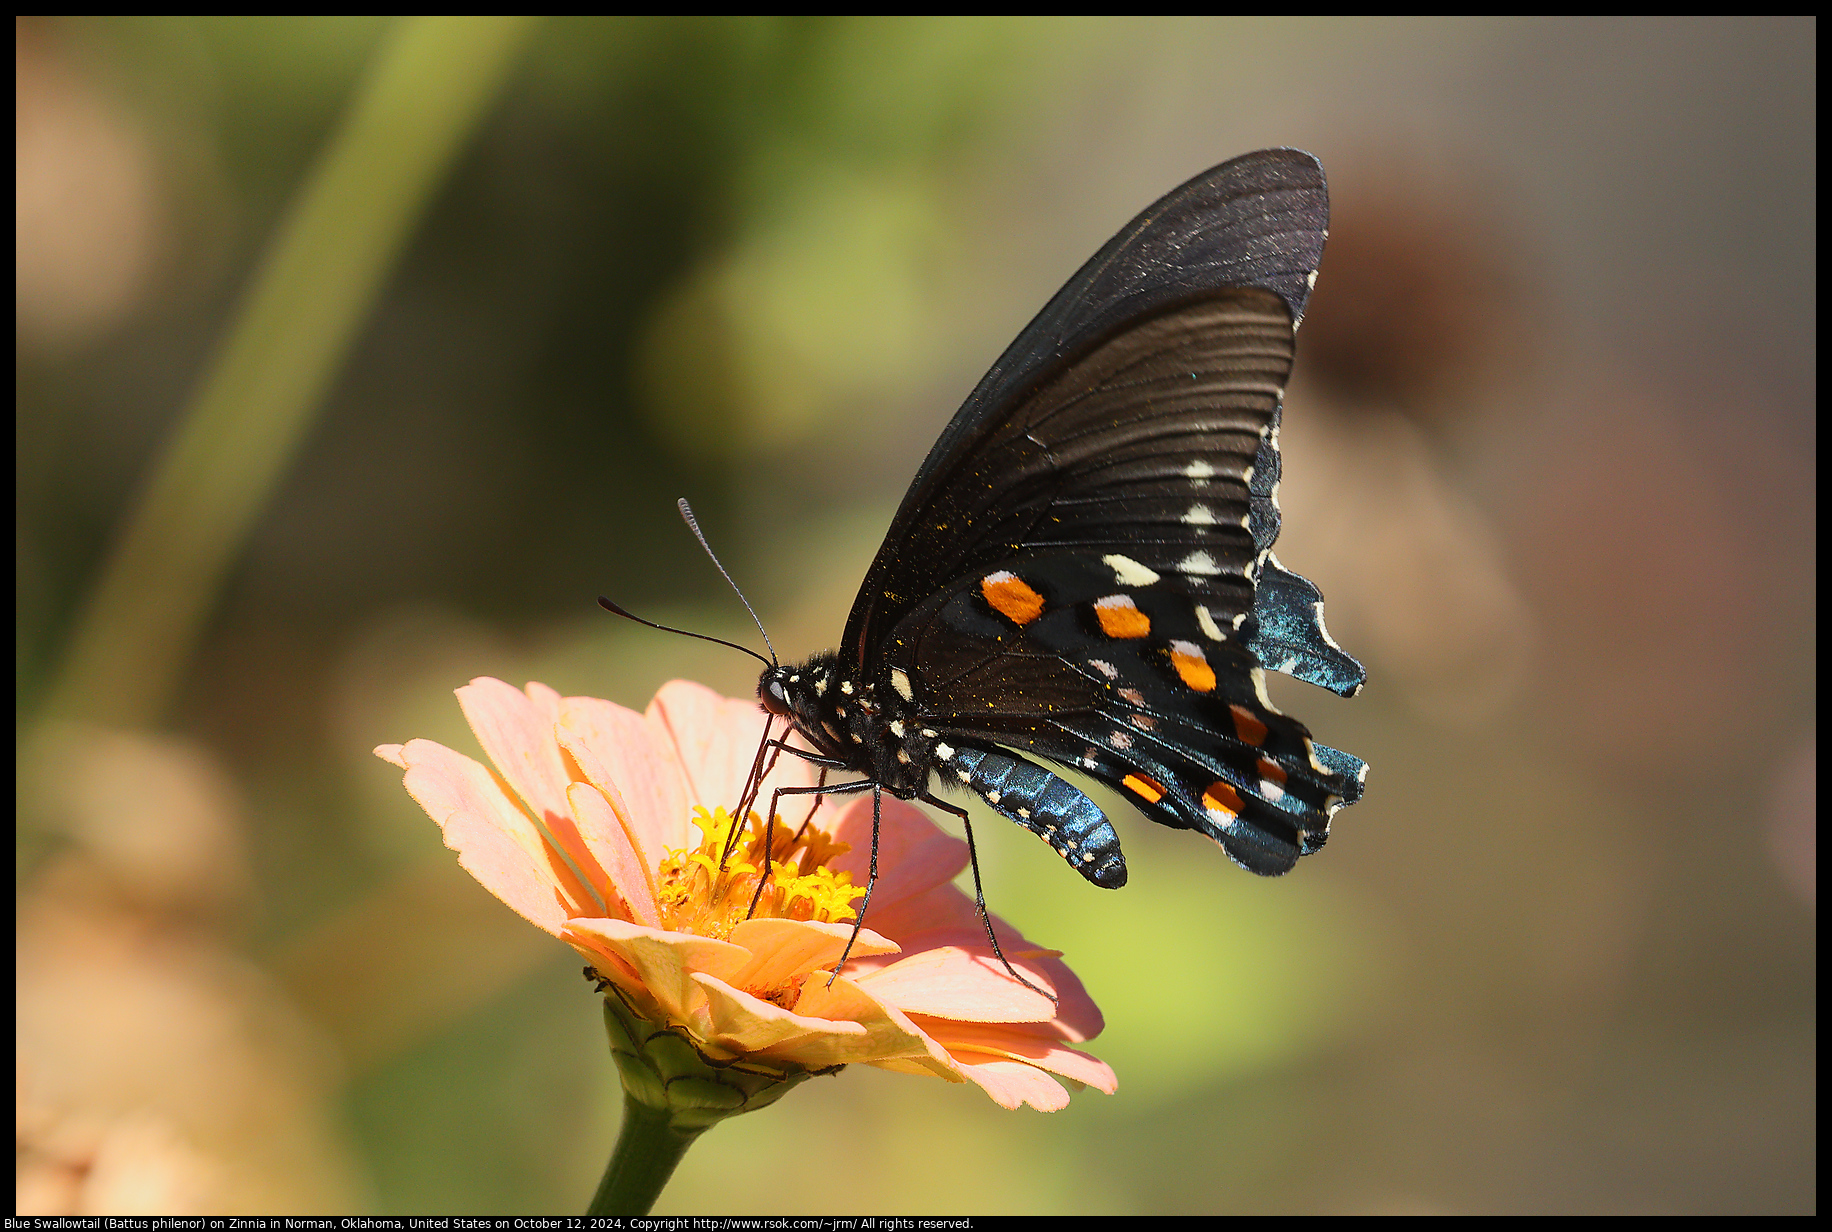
(1135, 687)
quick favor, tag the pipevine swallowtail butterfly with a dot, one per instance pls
(1082, 570)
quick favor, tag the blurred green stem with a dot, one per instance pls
(428, 87)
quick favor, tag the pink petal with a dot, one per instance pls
(716, 740)
(617, 750)
(890, 1034)
(959, 983)
(604, 835)
(665, 962)
(945, 916)
(391, 753)
(914, 856)
(516, 731)
(1012, 1083)
(1016, 1043)
(496, 842)
(783, 949)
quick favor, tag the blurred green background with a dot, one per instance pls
(355, 358)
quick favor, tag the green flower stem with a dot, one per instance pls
(672, 1093)
(430, 84)
(648, 1147)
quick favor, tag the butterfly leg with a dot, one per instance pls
(821, 789)
(979, 892)
(871, 882)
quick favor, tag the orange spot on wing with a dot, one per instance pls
(1269, 769)
(1248, 726)
(1120, 617)
(1148, 789)
(1011, 598)
(1222, 798)
(1192, 666)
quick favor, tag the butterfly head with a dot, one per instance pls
(807, 694)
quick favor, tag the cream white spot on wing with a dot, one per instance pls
(1104, 668)
(1259, 691)
(1198, 564)
(1199, 515)
(1120, 739)
(1128, 571)
(1272, 792)
(1199, 470)
(900, 681)
(1209, 628)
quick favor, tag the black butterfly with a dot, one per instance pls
(1082, 570)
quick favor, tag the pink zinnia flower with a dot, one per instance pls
(605, 828)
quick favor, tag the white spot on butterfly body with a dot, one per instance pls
(820, 687)
(900, 681)
(846, 687)
(1199, 515)
(929, 732)
(1198, 564)
(1128, 571)
(897, 728)
(903, 757)
(945, 752)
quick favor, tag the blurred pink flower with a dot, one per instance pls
(604, 827)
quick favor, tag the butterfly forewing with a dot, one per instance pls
(1255, 221)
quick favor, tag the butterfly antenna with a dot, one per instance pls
(694, 526)
(608, 606)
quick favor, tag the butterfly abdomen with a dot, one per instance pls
(1045, 805)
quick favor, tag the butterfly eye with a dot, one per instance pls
(775, 698)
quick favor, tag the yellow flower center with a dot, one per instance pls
(708, 893)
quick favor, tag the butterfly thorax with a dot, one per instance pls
(872, 726)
